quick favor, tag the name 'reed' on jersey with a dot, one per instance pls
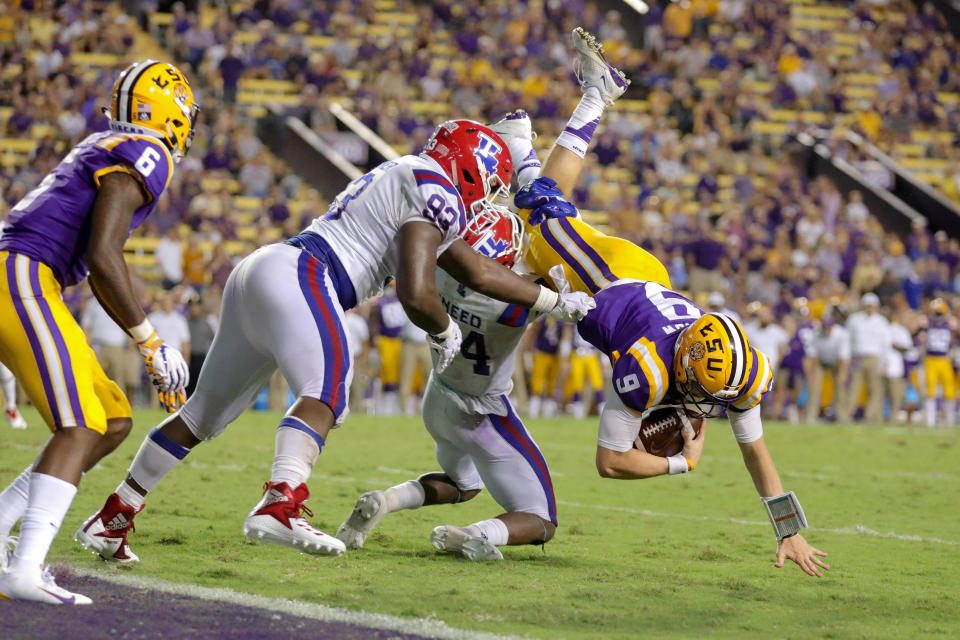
(51, 224)
(363, 223)
(491, 329)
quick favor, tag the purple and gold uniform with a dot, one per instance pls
(591, 260)
(44, 249)
(546, 362)
(389, 340)
(637, 325)
(585, 368)
(937, 366)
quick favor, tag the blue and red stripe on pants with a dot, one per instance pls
(336, 357)
(511, 429)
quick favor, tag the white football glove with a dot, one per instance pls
(167, 370)
(572, 307)
(446, 344)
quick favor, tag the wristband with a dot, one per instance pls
(786, 514)
(446, 333)
(678, 464)
(141, 332)
(546, 301)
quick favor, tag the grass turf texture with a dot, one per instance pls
(613, 571)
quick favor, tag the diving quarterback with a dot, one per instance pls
(283, 307)
(664, 350)
(74, 224)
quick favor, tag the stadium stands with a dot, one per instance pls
(692, 163)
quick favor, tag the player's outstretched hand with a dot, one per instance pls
(167, 370)
(799, 550)
(446, 344)
(572, 307)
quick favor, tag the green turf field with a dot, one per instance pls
(671, 557)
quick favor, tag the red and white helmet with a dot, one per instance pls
(495, 232)
(475, 159)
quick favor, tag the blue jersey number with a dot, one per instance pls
(474, 348)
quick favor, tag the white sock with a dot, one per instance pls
(948, 410)
(13, 501)
(931, 412)
(297, 448)
(578, 133)
(129, 496)
(406, 495)
(49, 500)
(494, 530)
(158, 455)
(9, 386)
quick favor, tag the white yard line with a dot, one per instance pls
(854, 530)
(429, 627)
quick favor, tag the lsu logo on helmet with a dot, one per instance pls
(711, 364)
(154, 98)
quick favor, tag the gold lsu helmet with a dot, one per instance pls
(154, 98)
(711, 364)
(939, 306)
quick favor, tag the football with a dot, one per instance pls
(660, 431)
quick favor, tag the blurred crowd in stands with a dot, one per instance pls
(692, 163)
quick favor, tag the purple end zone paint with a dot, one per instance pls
(140, 614)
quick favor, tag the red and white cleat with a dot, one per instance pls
(15, 419)
(277, 519)
(105, 532)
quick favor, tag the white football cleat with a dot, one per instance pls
(277, 519)
(515, 124)
(461, 542)
(41, 588)
(367, 514)
(15, 418)
(105, 532)
(593, 70)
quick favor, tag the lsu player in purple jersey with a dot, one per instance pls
(664, 350)
(74, 224)
(283, 308)
(938, 369)
(480, 440)
(390, 320)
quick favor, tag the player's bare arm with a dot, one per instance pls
(120, 195)
(760, 465)
(416, 281)
(492, 279)
(635, 464)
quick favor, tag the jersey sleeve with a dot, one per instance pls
(619, 426)
(640, 376)
(759, 382)
(146, 159)
(436, 201)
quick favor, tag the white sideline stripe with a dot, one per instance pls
(854, 530)
(429, 627)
